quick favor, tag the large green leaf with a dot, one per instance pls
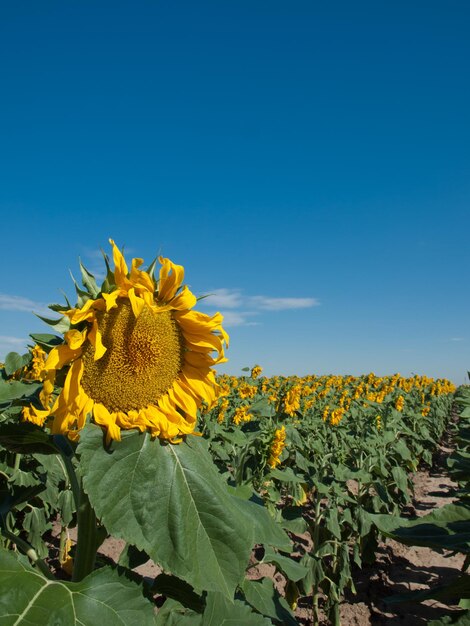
(15, 361)
(103, 598)
(446, 528)
(292, 569)
(170, 501)
(263, 597)
(220, 612)
(266, 530)
(14, 389)
(457, 589)
(26, 438)
(173, 613)
(46, 340)
(460, 619)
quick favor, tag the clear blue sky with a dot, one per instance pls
(307, 162)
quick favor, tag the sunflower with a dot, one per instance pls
(136, 356)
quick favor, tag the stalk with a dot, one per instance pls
(87, 528)
(316, 536)
(30, 553)
(334, 611)
(87, 539)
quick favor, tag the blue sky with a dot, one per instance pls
(306, 162)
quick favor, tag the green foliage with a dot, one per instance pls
(447, 528)
(104, 598)
(187, 521)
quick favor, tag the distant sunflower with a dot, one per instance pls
(137, 356)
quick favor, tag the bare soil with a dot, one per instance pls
(400, 569)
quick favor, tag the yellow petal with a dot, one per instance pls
(104, 418)
(61, 355)
(183, 399)
(203, 343)
(75, 338)
(136, 303)
(111, 299)
(120, 269)
(184, 300)
(95, 339)
(171, 277)
(141, 279)
(35, 416)
(71, 390)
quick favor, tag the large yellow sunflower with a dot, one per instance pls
(136, 357)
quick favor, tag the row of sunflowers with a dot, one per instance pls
(100, 429)
(325, 452)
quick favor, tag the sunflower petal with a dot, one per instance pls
(141, 279)
(136, 303)
(60, 356)
(120, 269)
(171, 277)
(96, 340)
(103, 417)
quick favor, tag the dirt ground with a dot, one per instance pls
(398, 568)
(401, 568)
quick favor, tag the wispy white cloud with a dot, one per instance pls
(18, 303)
(12, 341)
(457, 339)
(234, 318)
(11, 344)
(239, 309)
(225, 299)
(282, 304)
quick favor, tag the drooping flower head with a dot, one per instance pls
(136, 356)
(277, 446)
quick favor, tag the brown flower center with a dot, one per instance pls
(143, 359)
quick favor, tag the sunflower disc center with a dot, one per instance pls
(143, 359)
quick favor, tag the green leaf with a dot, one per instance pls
(103, 598)
(170, 501)
(446, 528)
(292, 520)
(109, 283)
(332, 523)
(262, 408)
(35, 524)
(401, 480)
(61, 325)
(222, 612)
(66, 506)
(448, 594)
(46, 340)
(88, 281)
(15, 361)
(292, 569)
(264, 598)
(286, 475)
(403, 451)
(173, 613)
(173, 587)
(82, 296)
(461, 619)
(26, 438)
(131, 558)
(14, 390)
(151, 268)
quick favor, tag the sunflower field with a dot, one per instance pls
(115, 424)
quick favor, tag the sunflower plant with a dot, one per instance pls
(115, 397)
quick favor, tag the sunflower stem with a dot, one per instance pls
(67, 452)
(30, 552)
(87, 539)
